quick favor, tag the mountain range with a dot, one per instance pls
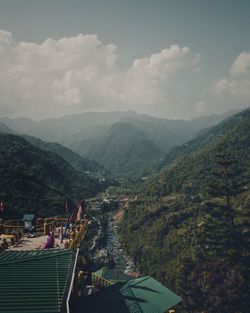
(123, 149)
(124, 143)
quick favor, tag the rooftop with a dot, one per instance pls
(113, 274)
(35, 281)
(141, 295)
(35, 243)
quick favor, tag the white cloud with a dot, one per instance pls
(236, 86)
(241, 66)
(149, 78)
(81, 73)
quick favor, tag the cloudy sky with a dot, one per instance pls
(166, 58)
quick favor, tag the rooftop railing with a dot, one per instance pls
(98, 280)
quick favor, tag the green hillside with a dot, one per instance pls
(164, 133)
(189, 225)
(124, 150)
(81, 164)
(196, 158)
(167, 133)
(5, 129)
(34, 180)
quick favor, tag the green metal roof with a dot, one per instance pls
(141, 295)
(34, 281)
(113, 274)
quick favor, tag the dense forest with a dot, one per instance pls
(35, 180)
(124, 150)
(188, 225)
(74, 159)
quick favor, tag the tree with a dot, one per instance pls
(227, 184)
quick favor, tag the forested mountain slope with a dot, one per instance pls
(5, 129)
(36, 180)
(124, 149)
(74, 159)
(195, 162)
(208, 138)
(167, 133)
(189, 225)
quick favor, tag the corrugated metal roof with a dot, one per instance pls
(113, 274)
(34, 281)
(142, 295)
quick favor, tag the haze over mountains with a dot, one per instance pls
(123, 149)
(125, 143)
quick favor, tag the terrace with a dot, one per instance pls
(14, 234)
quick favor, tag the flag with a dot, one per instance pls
(79, 213)
(66, 207)
(66, 226)
(1, 207)
(73, 216)
(61, 234)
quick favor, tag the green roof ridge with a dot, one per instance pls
(30, 257)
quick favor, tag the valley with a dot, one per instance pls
(183, 214)
(124, 156)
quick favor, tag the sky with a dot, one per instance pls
(165, 58)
